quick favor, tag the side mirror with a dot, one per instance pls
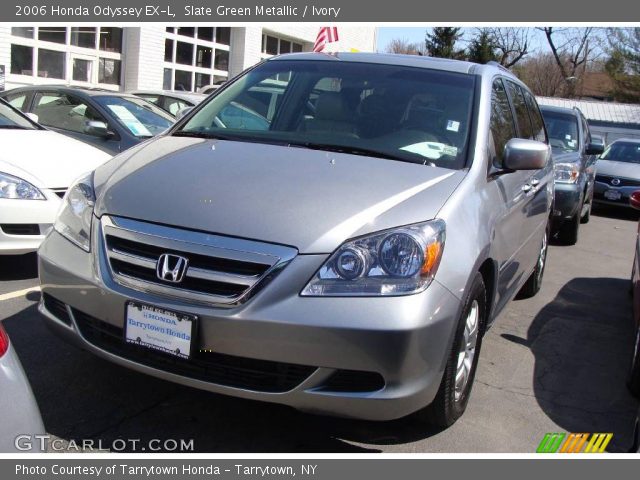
(97, 129)
(594, 148)
(521, 154)
(33, 117)
(183, 112)
(634, 199)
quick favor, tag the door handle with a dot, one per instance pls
(527, 187)
(535, 182)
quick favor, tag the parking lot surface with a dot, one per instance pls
(553, 363)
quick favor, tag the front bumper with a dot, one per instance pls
(567, 200)
(609, 195)
(402, 340)
(37, 215)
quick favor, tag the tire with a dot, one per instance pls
(534, 282)
(451, 402)
(568, 233)
(633, 380)
(587, 215)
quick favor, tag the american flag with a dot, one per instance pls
(325, 35)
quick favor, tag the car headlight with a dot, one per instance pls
(18, 189)
(400, 261)
(566, 172)
(74, 218)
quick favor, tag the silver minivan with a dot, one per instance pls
(331, 232)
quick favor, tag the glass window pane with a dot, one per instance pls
(297, 47)
(26, 32)
(272, 45)
(285, 46)
(16, 100)
(168, 50)
(203, 56)
(522, 114)
(166, 79)
(182, 80)
(536, 118)
(171, 29)
(50, 64)
(502, 127)
(82, 69)
(205, 33)
(202, 79)
(21, 60)
(184, 53)
(83, 37)
(64, 111)
(223, 35)
(53, 34)
(222, 60)
(111, 39)
(109, 71)
(187, 31)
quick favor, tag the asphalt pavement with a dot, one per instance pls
(553, 363)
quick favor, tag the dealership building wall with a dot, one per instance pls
(153, 57)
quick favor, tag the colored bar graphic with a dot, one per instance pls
(574, 443)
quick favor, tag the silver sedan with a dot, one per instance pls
(618, 173)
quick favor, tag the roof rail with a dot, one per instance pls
(493, 63)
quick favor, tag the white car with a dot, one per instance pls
(36, 168)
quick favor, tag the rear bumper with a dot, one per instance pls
(404, 340)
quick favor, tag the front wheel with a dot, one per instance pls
(455, 387)
(534, 282)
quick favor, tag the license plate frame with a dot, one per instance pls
(144, 338)
(613, 195)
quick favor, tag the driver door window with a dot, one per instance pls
(59, 110)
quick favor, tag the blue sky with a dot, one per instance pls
(417, 34)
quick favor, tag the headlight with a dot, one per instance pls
(400, 261)
(566, 172)
(74, 218)
(16, 188)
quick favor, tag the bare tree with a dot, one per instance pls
(542, 75)
(572, 49)
(511, 43)
(402, 45)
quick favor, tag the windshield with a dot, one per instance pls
(141, 118)
(402, 113)
(563, 131)
(628, 152)
(10, 119)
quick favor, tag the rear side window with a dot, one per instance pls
(17, 100)
(537, 122)
(522, 113)
(502, 127)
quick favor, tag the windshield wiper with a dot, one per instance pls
(410, 157)
(214, 136)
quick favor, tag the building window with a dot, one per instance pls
(277, 46)
(53, 34)
(202, 80)
(168, 50)
(203, 56)
(24, 32)
(182, 80)
(205, 33)
(222, 60)
(187, 31)
(184, 53)
(83, 37)
(21, 60)
(223, 35)
(166, 79)
(111, 39)
(82, 70)
(51, 64)
(109, 71)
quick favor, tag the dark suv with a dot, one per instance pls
(574, 159)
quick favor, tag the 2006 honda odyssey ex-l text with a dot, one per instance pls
(330, 232)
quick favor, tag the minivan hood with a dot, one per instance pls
(54, 159)
(565, 157)
(312, 200)
(612, 168)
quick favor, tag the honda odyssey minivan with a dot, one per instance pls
(339, 244)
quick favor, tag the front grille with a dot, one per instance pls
(624, 182)
(218, 368)
(57, 308)
(221, 270)
(354, 381)
(20, 228)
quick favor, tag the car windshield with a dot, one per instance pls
(389, 111)
(628, 152)
(11, 119)
(563, 130)
(141, 118)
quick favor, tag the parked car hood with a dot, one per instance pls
(310, 199)
(612, 168)
(53, 159)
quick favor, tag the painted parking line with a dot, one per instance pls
(18, 293)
